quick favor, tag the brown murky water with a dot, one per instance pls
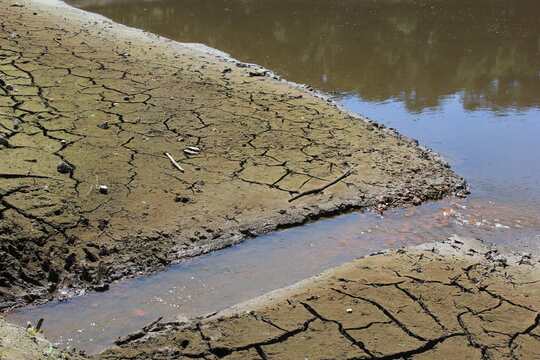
(416, 51)
(461, 76)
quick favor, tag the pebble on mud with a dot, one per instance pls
(182, 199)
(349, 310)
(64, 168)
(257, 73)
(103, 189)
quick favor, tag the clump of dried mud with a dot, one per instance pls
(452, 300)
(88, 109)
(24, 344)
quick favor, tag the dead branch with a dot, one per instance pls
(322, 188)
(176, 165)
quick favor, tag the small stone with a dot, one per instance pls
(104, 126)
(255, 73)
(349, 310)
(103, 189)
(103, 224)
(101, 287)
(182, 199)
(64, 168)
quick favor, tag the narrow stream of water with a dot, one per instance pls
(218, 280)
(462, 77)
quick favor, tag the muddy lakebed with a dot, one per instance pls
(462, 77)
(469, 94)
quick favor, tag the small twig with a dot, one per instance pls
(137, 335)
(322, 188)
(177, 165)
(39, 325)
(149, 327)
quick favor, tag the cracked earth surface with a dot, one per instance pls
(452, 300)
(85, 102)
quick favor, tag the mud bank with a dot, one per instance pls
(88, 109)
(22, 344)
(453, 300)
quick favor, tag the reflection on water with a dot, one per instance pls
(418, 51)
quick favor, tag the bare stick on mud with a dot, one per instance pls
(177, 165)
(139, 334)
(322, 188)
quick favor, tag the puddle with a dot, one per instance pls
(460, 79)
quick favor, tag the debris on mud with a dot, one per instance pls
(265, 142)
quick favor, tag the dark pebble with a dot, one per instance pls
(64, 168)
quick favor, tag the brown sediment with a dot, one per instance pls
(453, 300)
(87, 104)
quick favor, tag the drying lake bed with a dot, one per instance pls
(124, 152)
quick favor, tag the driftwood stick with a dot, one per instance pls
(322, 188)
(149, 327)
(137, 335)
(176, 165)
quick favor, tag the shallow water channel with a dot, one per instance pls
(462, 77)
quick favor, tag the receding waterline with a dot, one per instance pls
(221, 279)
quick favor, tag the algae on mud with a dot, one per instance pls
(85, 102)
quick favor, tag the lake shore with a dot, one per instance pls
(458, 299)
(90, 109)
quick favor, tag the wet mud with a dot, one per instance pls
(88, 111)
(213, 282)
(453, 300)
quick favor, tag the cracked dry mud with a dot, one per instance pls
(85, 102)
(455, 300)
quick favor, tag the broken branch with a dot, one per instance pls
(177, 165)
(322, 188)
